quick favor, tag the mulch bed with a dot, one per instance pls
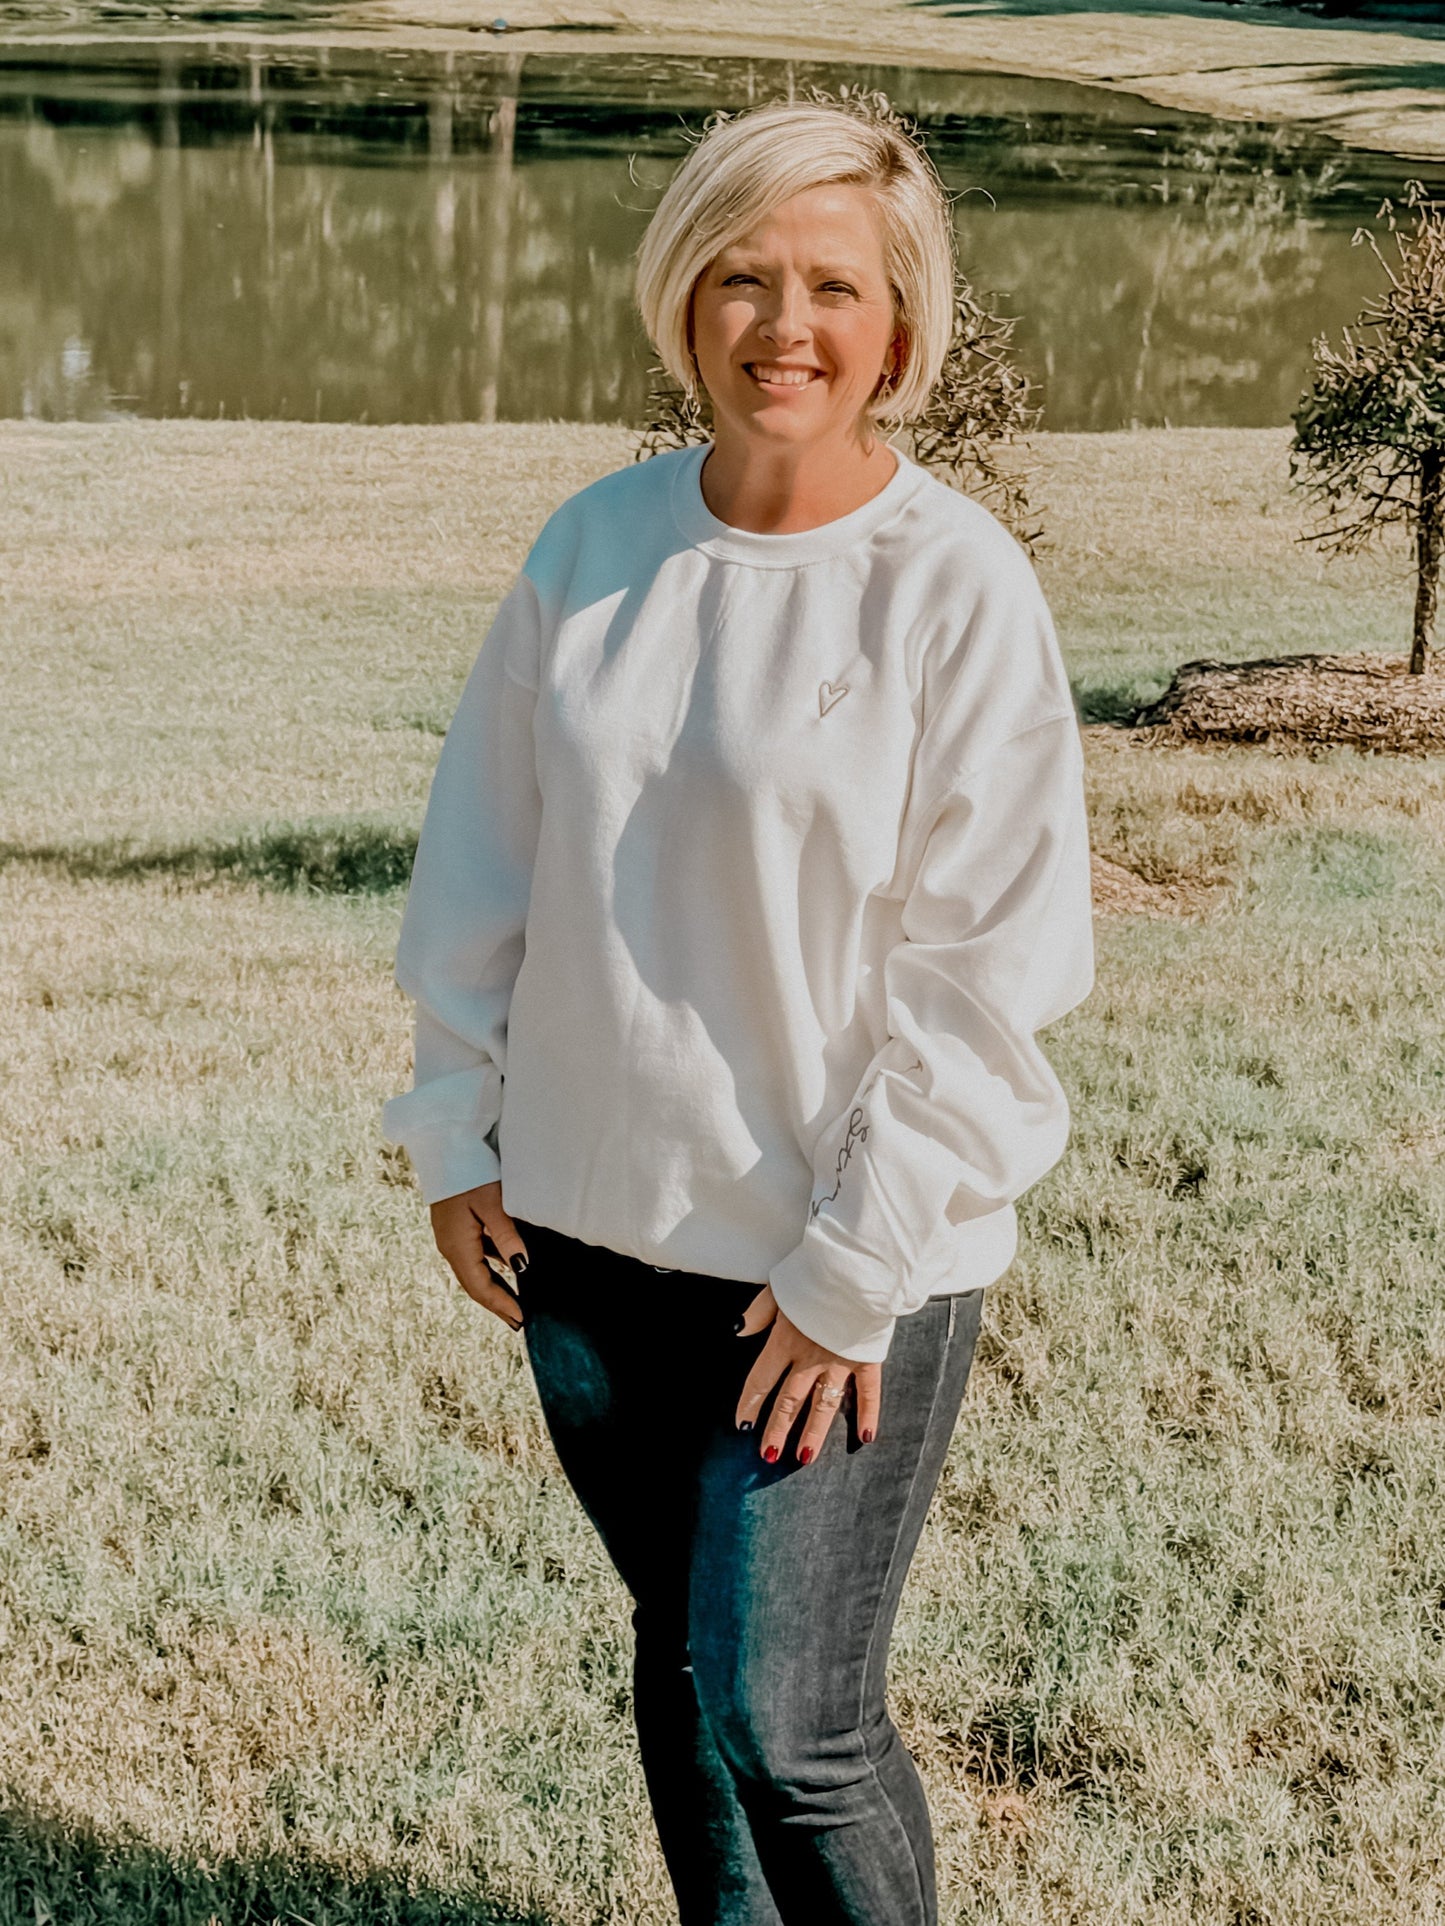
(1367, 700)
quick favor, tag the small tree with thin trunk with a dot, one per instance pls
(1369, 438)
(978, 407)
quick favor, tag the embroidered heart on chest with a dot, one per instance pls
(829, 693)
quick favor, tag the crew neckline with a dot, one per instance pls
(714, 536)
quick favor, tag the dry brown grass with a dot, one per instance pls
(298, 1619)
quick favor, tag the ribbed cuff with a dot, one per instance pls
(448, 1162)
(827, 1312)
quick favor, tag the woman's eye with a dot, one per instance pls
(827, 287)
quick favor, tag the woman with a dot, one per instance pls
(754, 859)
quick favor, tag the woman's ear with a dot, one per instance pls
(691, 346)
(893, 367)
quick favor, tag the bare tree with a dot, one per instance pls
(978, 407)
(1369, 440)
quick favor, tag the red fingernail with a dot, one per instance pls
(770, 1452)
(866, 1436)
(805, 1452)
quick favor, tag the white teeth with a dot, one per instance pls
(781, 377)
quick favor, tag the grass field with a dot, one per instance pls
(298, 1619)
(1366, 82)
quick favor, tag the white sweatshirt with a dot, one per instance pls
(751, 866)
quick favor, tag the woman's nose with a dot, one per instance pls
(787, 319)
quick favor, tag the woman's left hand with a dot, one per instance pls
(805, 1368)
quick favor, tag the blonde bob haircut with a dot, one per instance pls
(747, 164)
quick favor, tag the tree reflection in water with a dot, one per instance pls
(187, 229)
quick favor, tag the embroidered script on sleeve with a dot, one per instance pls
(857, 1133)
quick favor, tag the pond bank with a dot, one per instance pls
(1373, 86)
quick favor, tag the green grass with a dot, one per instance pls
(298, 1618)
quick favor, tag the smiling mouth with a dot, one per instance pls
(767, 377)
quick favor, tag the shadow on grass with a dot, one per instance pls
(1386, 15)
(69, 1874)
(340, 858)
(1424, 75)
(1118, 701)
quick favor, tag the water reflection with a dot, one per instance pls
(197, 230)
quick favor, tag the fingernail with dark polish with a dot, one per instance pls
(866, 1436)
(771, 1454)
(519, 1262)
(746, 1425)
(740, 1323)
(516, 1324)
(805, 1453)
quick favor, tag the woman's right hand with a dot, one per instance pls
(459, 1225)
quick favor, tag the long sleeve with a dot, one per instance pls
(463, 930)
(959, 1111)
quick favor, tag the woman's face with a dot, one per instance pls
(793, 322)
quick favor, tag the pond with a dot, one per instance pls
(219, 229)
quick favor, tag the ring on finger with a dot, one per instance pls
(829, 1393)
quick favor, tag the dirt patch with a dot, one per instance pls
(1366, 700)
(1119, 891)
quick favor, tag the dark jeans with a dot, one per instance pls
(764, 1594)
